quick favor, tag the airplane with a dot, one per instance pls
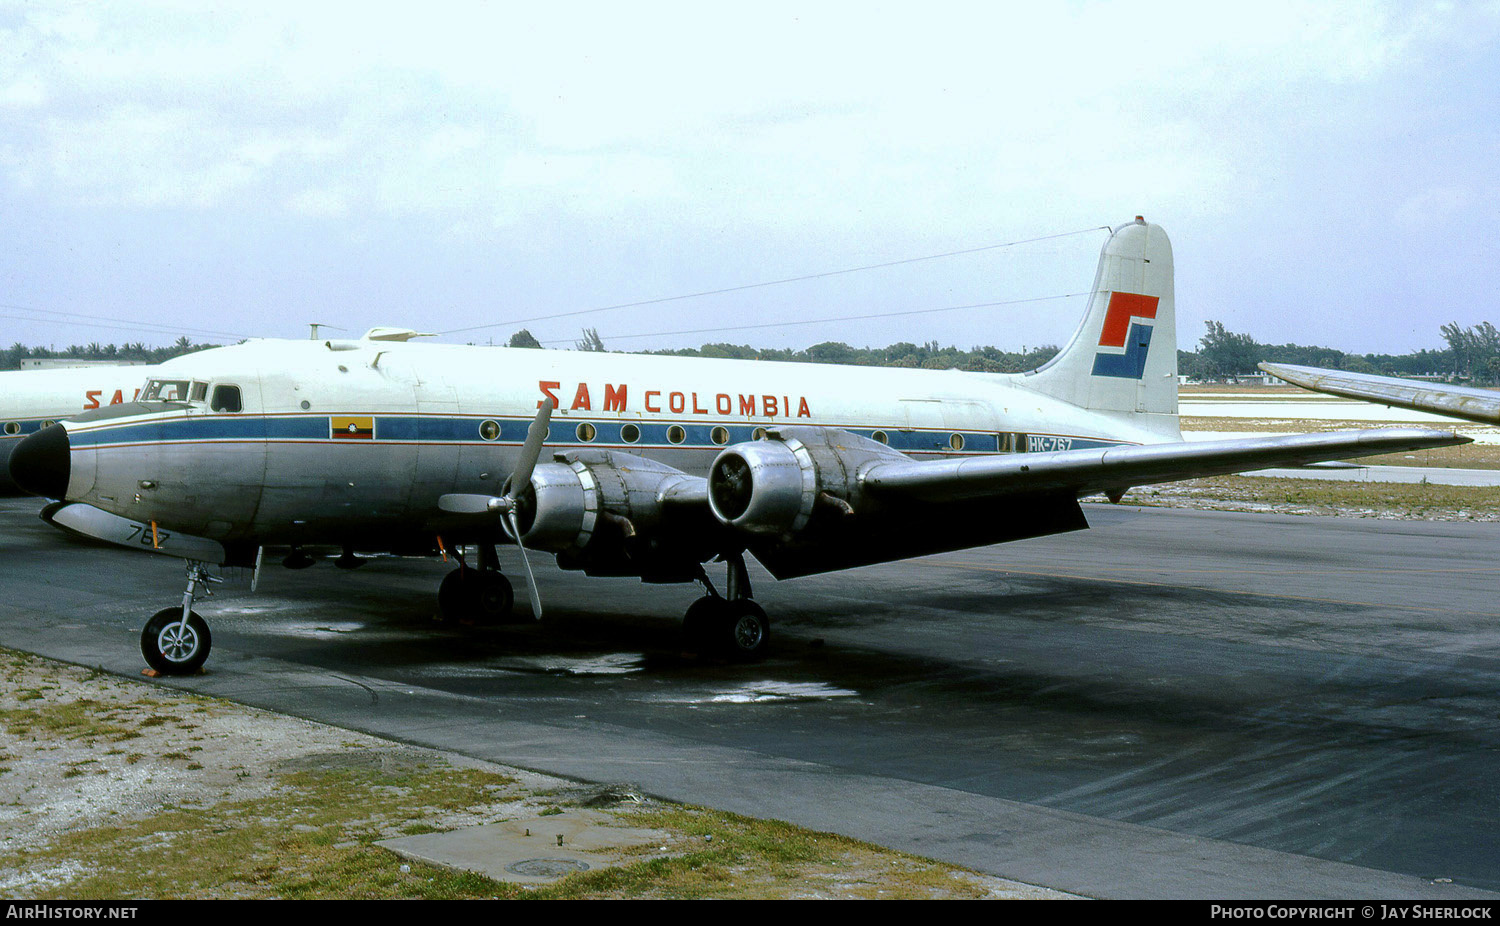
(658, 466)
(1468, 403)
(33, 399)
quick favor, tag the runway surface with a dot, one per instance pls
(1173, 704)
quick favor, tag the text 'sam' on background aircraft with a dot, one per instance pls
(1468, 403)
(656, 465)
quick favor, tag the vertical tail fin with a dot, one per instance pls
(1123, 357)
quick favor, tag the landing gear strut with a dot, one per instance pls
(176, 641)
(483, 594)
(732, 626)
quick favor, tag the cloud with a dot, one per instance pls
(828, 132)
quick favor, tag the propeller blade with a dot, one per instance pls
(536, 596)
(531, 451)
(460, 503)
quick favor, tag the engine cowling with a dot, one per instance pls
(764, 487)
(771, 487)
(572, 500)
(562, 508)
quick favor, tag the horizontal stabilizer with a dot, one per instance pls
(1085, 472)
(1482, 405)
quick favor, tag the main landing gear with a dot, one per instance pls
(481, 595)
(176, 641)
(734, 626)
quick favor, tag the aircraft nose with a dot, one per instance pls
(40, 463)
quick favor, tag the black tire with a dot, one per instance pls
(737, 630)
(493, 597)
(745, 631)
(172, 649)
(699, 621)
(456, 595)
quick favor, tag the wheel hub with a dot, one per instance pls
(748, 633)
(177, 642)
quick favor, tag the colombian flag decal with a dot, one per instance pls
(343, 427)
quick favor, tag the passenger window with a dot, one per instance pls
(226, 399)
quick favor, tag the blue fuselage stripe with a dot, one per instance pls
(468, 430)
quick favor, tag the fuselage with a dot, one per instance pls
(352, 443)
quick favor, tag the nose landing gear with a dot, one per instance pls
(176, 641)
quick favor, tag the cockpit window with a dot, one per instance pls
(226, 399)
(165, 390)
(200, 391)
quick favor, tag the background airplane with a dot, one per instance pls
(33, 399)
(659, 464)
(1480, 405)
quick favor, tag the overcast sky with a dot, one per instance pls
(1327, 172)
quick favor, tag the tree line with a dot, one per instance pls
(928, 356)
(136, 352)
(1472, 355)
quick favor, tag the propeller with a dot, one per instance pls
(505, 505)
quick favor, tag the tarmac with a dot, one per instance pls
(1174, 704)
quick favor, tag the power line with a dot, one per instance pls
(844, 318)
(796, 279)
(101, 321)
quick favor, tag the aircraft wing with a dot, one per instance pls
(1481, 405)
(1085, 472)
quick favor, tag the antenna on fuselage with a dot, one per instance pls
(316, 325)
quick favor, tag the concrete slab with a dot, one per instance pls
(532, 850)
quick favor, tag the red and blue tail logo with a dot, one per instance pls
(1123, 331)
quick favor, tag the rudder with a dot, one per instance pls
(1123, 357)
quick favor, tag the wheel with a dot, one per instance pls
(173, 649)
(737, 630)
(698, 622)
(493, 597)
(456, 595)
(745, 630)
(473, 595)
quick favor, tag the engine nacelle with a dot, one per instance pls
(572, 498)
(563, 509)
(771, 487)
(797, 503)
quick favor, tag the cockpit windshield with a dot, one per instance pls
(166, 390)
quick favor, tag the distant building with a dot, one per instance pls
(66, 363)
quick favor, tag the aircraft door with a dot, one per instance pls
(946, 425)
(435, 430)
(341, 458)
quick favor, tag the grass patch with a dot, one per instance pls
(1330, 497)
(729, 856)
(312, 838)
(1465, 456)
(84, 718)
(306, 823)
